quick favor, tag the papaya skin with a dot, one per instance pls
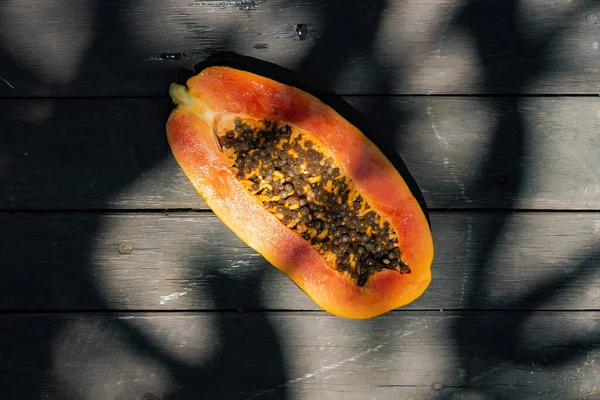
(212, 100)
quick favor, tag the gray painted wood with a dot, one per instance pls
(423, 355)
(191, 261)
(127, 48)
(534, 153)
(523, 286)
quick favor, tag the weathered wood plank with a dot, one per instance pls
(69, 48)
(513, 261)
(463, 152)
(147, 356)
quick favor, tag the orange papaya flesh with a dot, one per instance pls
(304, 188)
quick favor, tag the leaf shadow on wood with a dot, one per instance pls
(492, 342)
(67, 274)
(61, 264)
(245, 360)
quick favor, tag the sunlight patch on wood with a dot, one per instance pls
(67, 29)
(558, 135)
(86, 346)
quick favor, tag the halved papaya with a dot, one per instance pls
(304, 188)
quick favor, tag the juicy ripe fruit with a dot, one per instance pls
(292, 175)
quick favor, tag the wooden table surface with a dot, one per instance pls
(118, 283)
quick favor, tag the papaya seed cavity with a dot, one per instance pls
(294, 177)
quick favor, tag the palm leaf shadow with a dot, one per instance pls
(73, 282)
(494, 25)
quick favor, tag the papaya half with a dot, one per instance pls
(304, 188)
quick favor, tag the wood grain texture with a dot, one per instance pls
(126, 48)
(191, 261)
(105, 298)
(302, 356)
(534, 153)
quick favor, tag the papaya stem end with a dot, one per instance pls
(179, 94)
